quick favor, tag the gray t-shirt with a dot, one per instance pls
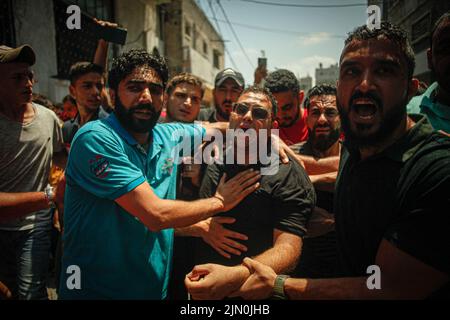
(25, 159)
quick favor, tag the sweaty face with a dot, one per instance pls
(87, 90)
(323, 122)
(16, 84)
(224, 96)
(440, 59)
(288, 108)
(373, 90)
(183, 104)
(251, 113)
(139, 98)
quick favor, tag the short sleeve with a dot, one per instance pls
(58, 141)
(99, 164)
(422, 227)
(294, 199)
(183, 138)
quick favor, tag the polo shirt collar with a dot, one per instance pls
(430, 103)
(117, 126)
(155, 145)
(403, 149)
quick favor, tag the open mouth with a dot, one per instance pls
(143, 114)
(322, 130)
(365, 109)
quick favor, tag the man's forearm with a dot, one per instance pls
(101, 53)
(16, 205)
(331, 289)
(195, 230)
(324, 182)
(281, 258)
(320, 166)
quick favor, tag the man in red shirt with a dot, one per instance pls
(284, 86)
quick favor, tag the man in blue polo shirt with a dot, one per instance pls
(120, 175)
(435, 102)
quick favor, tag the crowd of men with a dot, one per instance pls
(362, 179)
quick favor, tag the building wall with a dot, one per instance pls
(417, 17)
(141, 21)
(305, 84)
(173, 26)
(327, 75)
(34, 25)
(190, 41)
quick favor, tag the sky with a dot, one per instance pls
(314, 34)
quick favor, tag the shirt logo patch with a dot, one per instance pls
(167, 167)
(99, 166)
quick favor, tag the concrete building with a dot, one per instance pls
(192, 44)
(42, 24)
(305, 83)
(417, 17)
(327, 75)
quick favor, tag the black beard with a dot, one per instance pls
(390, 121)
(126, 118)
(323, 144)
(222, 113)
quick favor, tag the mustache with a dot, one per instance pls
(369, 95)
(145, 106)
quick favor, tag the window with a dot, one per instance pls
(78, 45)
(101, 9)
(187, 29)
(216, 59)
(205, 47)
(421, 27)
(7, 31)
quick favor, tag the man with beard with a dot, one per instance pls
(285, 88)
(319, 258)
(183, 95)
(274, 218)
(391, 200)
(228, 87)
(121, 179)
(435, 102)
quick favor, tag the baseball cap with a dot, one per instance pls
(229, 73)
(21, 54)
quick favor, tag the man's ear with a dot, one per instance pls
(165, 100)
(275, 124)
(301, 96)
(72, 92)
(412, 88)
(112, 95)
(430, 59)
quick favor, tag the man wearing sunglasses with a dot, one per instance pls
(274, 218)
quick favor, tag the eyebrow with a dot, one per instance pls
(139, 81)
(390, 62)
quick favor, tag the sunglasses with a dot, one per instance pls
(258, 113)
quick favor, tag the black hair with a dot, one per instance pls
(391, 32)
(282, 80)
(184, 78)
(267, 93)
(124, 65)
(444, 17)
(320, 90)
(81, 68)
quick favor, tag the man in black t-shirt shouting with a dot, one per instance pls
(274, 218)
